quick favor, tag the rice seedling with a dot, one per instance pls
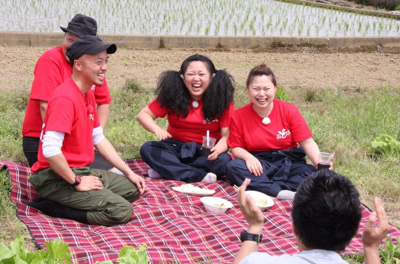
(182, 17)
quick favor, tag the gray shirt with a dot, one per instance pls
(314, 256)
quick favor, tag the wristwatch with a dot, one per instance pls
(77, 181)
(244, 235)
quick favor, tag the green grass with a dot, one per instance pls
(343, 120)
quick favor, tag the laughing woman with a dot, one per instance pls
(264, 137)
(195, 99)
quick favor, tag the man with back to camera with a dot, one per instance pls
(51, 70)
(326, 215)
(70, 130)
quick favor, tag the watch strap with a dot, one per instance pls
(244, 236)
(77, 181)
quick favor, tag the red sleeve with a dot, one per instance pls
(102, 94)
(298, 126)
(60, 115)
(156, 108)
(226, 118)
(235, 139)
(47, 79)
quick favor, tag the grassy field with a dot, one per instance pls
(344, 121)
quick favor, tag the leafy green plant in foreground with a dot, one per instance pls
(59, 252)
(385, 144)
(391, 253)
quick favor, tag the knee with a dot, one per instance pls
(224, 158)
(111, 213)
(233, 166)
(121, 214)
(125, 213)
(145, 148)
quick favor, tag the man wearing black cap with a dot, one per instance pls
(51, 70)
(70, 130)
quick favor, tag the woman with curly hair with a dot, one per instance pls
(196, 99)
(265, 136)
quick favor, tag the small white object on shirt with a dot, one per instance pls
(266, 121)
(195, 104)
(52, 143)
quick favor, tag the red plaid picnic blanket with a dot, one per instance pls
(175, 226)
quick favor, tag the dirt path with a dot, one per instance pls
(305, 67)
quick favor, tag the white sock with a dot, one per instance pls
(153, 174)
(210, 178)
(286, 195)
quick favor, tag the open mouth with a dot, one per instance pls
(101, 76)
(196, 87)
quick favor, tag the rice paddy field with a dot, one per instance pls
(194, 18)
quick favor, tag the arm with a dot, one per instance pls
(61, 167)
(374, 233)
(221, 146)
(43, 108)
(52, 143)
(311, 149)
(252, 163)
(146, 118)
(103, 111)
(108, 152)
(255, 219)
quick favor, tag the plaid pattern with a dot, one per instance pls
(174, 226)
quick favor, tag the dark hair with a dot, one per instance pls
(173, 94)
(326, 211)
(259, 71)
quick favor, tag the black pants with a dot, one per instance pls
(282, 170)
(30, 146)
(175, 160)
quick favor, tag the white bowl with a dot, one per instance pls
(262, 200)
(213, 204)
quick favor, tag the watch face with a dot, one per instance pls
(77, 181)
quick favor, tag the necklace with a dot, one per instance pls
(195, 104)
(266, 121)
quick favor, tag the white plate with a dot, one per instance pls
(193, 190)
(261, 197)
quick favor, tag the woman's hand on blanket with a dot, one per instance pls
(254, 165)
(375, 231)
(89, 183)
(138, 181)
(250, 210)
(162, 134)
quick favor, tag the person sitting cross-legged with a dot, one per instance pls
(62, 176)
(326, 215)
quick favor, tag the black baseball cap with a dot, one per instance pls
(81, 25)
(88, 45)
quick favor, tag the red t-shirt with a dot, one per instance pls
(287, 127)
(51, 70)
(71, 112)
(194, 126)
